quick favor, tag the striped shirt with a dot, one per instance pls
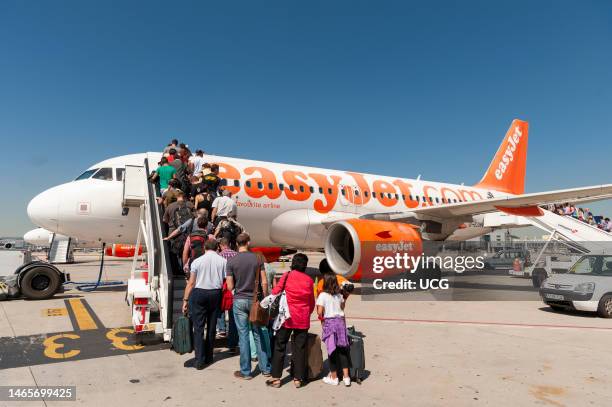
(227, 253)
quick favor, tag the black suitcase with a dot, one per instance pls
(357, 351)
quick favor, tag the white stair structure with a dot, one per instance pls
(151, 287)
(61, 249)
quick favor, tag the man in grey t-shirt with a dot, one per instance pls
(242, 270)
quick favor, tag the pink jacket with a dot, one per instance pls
(300, 298)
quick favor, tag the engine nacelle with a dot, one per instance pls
(347, 240)
(122, 250)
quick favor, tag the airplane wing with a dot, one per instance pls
(514, 204)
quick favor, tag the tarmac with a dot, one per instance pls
(419, 351)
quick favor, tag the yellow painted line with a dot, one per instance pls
(54, 312)
(82, 316)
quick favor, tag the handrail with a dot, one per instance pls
(161, 248)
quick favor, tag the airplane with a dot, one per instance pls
(301, 207)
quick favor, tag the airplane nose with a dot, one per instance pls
(43, 210)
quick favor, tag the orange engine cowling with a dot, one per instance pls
(122, 250)
(351, 243)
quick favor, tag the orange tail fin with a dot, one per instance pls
(506, 173)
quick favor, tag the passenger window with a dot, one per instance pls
(281, 186)
(373, 194)
(248, 184)
(119, 173)
(291, 188)
(105, 174)
(437, 200)
(417, 198)
(270, 185)
(311, 189)
(410, 196)
(366, 193)
(320, 190)
(396, 196)
(236, 183)
(356, 192)
(343, 192)
(86, 174)
(329, 191)
(301, 188)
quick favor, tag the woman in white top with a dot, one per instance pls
(330, 306)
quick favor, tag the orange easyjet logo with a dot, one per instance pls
(513, 140)
(260, 182)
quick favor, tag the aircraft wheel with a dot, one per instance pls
(40, 283)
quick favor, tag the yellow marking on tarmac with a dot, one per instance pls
(54, 312)
(52, 347)
(82, 316)
(119, 342)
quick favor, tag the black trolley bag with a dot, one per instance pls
(182, 335)
(357, 352)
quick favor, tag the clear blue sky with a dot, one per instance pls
(389, 87)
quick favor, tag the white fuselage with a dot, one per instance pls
(279, 204)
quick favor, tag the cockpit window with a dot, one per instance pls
(119, 173)
(86, 174)
(105, 174)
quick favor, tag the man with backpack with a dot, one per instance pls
(229, 228)
(200, 224)
(212, 180)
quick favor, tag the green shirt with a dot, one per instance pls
(165, 172)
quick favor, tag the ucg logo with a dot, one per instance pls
(513, 141)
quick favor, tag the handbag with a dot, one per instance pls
(258, 315)
(275, 306)
(227, 298)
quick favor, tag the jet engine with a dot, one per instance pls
(351, 244)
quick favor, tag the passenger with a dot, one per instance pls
(173, 145)
(169, 194)
(203, 201)
(182, 174)
(325, 269)
(171, 215)
(172, 155)
(203, 298)
(198, 230)
(267, 331)
(229, 228)
(231, 333)
(330, 307)
(184, 153)
(165, 174)
(223, 206)
(242, 270)
(212, 180)
(205, 169)
(197, 162)
(300, 301)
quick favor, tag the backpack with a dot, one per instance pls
(182, 215)
(196, 244)
(212, 181)
(230, 231)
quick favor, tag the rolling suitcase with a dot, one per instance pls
(182, 335)
(357, 351)
(314, 358)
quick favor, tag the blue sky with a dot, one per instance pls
(389, 87)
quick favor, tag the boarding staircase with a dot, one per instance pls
(60, 250)
(155, 287)
(584, 237)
